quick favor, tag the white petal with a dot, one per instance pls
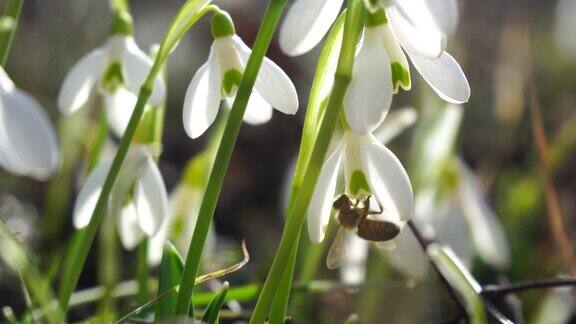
(258, 111)
(272, 82)
(353, 267)
(408, 256)
(445, 14)
(80, 80)
(28, 144)
(487, 232)
(150, 197)
(389, 181)
(128, 228)
(445, 76)
(119, 107)
(157, 242)
(202, 98)
(136, 65)
(369, 95)
(423, 40)
(320, 206)
(395, 123)
(306, 23)
(451, 229)
(88, 195)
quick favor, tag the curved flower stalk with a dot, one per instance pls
(417, 28)
(116, 70)
(139, 201)
(369, 169)
(218, 79)
(28, 144)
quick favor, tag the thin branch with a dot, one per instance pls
(498, 290)
(424, 242)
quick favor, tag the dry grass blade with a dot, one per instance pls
(199, 280)
(551, 196)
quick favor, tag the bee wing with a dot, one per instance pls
(337, 250)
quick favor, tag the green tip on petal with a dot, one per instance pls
(122, 24)
(400, 76)
(112, 77)
(358, 183)
(230, 80)
(222, 25)
(376, 19)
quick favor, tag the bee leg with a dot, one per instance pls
(377, 212)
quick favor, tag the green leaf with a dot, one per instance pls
(213, 310)
(461, 279)
(169, 277)
(240, 294)
(319, 93)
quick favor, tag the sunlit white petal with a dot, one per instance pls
(150, 197)
(88, 195)
(128, 228)
(272, 82)
(445, 76)
(320, 206)
(369, 95)
(28, 144)
(202, 98)
(136, 65)
(80, 80)
(389, 181)
(306, 23)
(258, 111)
(119, 107)
(157, 242)
(418, 39)
(445, 14)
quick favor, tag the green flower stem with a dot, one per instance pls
(313, 114)
(218, 172)
(121, 6)
(8, 25)
(108, 267)
(77, 255)
(352, 28)
(142, 272)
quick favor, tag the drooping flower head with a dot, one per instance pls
(139, 200)
(370, 169)
(117, 70)
(393, 30)
(28, 144)
(218, 79)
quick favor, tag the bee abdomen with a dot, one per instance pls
(377, 231)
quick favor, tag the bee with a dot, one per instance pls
(353, 214)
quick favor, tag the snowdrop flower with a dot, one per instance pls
(353, 268)
(139, 198)
(220, 77)
(369, 169)
(117, 70)
(28, 144)
(417, 28)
